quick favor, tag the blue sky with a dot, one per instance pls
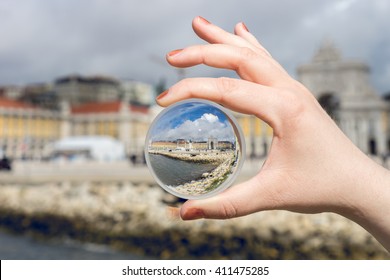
(195, 120)
(191, 111)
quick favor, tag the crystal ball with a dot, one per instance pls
(194, 149)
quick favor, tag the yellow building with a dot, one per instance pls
(257, 135)
(163, 145)
(120, 120)
(25, 130)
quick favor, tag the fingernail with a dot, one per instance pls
(174, 52)
(245, 27)
(205, 21)
(193, 214)
(161, 96)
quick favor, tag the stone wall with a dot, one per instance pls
(134, 218)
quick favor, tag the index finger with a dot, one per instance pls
(238, 95)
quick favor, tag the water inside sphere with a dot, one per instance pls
(194, 149)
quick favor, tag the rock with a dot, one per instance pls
(134, 217)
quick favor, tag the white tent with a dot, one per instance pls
(98, 148)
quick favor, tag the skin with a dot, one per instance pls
(311, 167)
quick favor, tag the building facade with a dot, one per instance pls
(77, 89)
(343, 89)
(123, 121)
(138, 93)
(189, 145)
(26, 130)
(104, 106)
(34, 116)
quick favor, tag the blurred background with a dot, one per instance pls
(78, 81)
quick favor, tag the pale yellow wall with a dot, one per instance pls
(245, 125)
(259, 126)
(45, 128)
(112, 129)
(100, 128)
(1, 125)
(17, 127)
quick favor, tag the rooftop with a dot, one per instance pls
(106, 107)
(327, 52)
(10, 103)
(87, 79)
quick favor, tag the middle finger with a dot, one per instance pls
(216, 35)
(248, 64)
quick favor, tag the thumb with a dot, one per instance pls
(240, 200)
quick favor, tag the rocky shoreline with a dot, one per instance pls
(133, 218)
(209, 181)
(202, 157)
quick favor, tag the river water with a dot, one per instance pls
(173, 172)
(22, 247)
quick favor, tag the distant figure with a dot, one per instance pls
(5, 164)
(133, 159)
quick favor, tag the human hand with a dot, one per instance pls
(311, 166)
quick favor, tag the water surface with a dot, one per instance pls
(23, 247)
(174, 172)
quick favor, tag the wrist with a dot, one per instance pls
(367, 201)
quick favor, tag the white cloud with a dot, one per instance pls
(210, 118)
(208, 125)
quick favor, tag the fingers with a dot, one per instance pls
(248, 64)
(241, 30)
(216, 35)
(241, 53)
(238, 95)
(240, 200)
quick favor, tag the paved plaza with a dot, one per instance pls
(41, 172)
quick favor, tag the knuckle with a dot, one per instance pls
(201, 50)
(226, 85)
(247, 53)
(296, 103)
(184, 87)
(246, 58)
(228, 210)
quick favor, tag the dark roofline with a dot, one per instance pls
(87, 80)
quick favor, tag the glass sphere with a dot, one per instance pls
(194, 149)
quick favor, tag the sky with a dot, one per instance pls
(196, 121)
(42, 40)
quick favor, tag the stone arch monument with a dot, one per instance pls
(212, 143)
(343, 89)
